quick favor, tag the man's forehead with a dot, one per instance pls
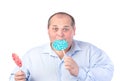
(60, 16)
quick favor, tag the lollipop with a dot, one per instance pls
(60, 45)
(17, 60)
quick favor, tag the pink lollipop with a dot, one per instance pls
(17, 60)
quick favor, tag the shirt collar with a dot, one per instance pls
(46, 49)
(75, 47)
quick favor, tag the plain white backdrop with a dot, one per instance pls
(23, 25)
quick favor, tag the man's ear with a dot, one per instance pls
(74, 30)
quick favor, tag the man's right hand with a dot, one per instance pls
(20, 76)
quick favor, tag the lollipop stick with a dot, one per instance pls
(63, 52)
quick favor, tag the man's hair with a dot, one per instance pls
(62, 13)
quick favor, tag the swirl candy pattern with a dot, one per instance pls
(60, 45)
(17, 60)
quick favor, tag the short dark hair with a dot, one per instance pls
(64, 13)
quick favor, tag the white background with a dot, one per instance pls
(23, 25)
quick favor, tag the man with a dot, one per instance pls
(82, 61)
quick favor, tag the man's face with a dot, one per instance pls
(60, 28)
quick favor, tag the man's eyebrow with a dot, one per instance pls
(66, 26)
(54, 25)
(63, 26)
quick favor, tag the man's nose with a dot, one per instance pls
(60, 33)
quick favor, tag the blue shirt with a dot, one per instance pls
(42, 64)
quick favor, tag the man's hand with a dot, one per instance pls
(71, 65)
(20, 76)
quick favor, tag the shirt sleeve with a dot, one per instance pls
(101, 68)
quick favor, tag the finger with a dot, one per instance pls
(69, 67)
(20, 77)
(19, 73)
(69, 61)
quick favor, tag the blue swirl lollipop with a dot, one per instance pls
(60, 45)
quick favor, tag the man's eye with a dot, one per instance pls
(55, 29)
(65, 29)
